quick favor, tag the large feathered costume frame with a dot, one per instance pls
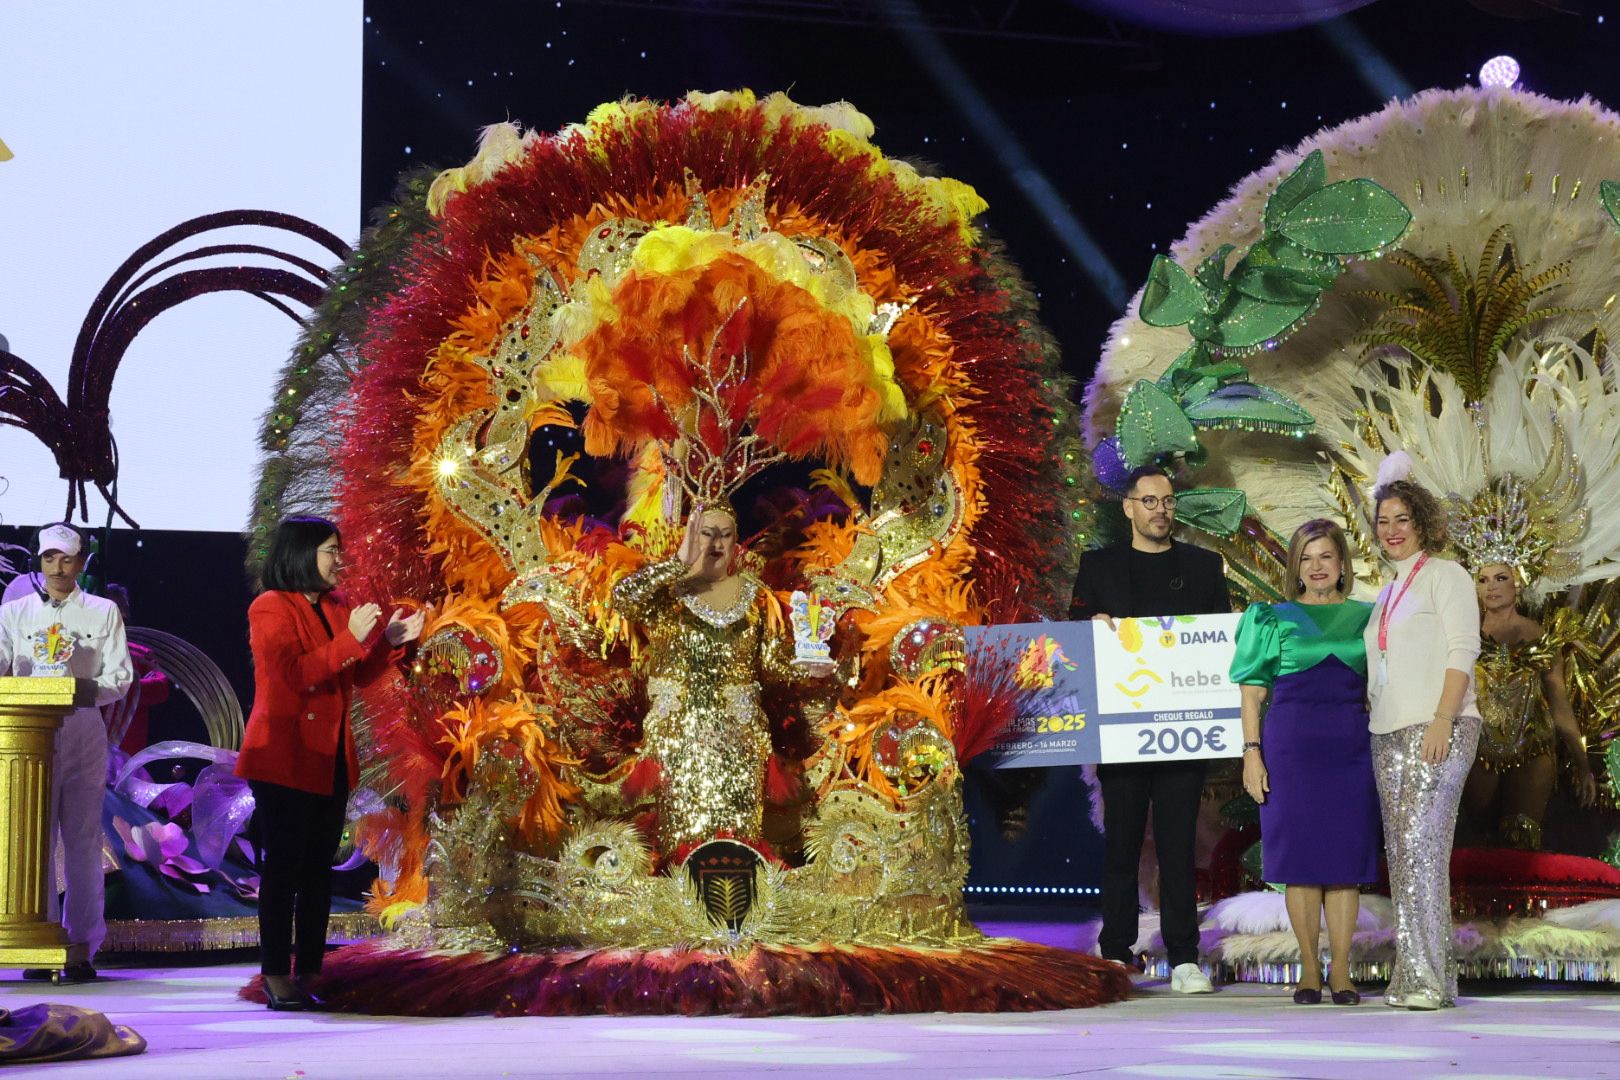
(673, 282)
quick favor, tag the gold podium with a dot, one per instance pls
(31, 711)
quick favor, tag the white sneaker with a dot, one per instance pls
(1190, 979)
(1096, 951)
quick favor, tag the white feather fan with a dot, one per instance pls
(1464, 161)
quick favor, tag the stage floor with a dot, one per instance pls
(198, 1029)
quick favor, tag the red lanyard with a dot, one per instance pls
(1383, 616)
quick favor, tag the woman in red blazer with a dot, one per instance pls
(310, 650)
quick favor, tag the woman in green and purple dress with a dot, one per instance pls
(1312, 773)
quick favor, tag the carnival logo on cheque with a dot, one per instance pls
(1135, 634)
(1040, 663)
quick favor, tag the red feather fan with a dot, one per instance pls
(997, 976)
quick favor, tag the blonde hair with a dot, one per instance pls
(1317, 529)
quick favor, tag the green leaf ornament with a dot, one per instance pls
(1185, 366)
(1307, 179)
(1272, 286)
(1150, 423)
(1279, 271)
(1171, 298)
(1609, 193)
(1351, 217)
(1211, 273)
(1219, 511)
(1251, 407)
(1246, 323)
(1240, 810)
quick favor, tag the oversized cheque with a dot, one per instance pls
(1153, 689)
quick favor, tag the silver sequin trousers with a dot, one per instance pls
(1420, 814)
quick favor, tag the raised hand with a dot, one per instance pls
(691, 549)
(363, 620)
(402, 628)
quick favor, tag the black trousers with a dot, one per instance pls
(1172, 789)
(297, 834)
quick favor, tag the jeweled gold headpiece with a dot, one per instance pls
(1534, 526)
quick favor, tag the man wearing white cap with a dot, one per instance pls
(64, 631)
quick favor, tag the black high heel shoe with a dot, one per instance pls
(1307, 995)
(307, 985)
(298, 1001)
(1347, 997)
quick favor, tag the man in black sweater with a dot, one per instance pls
(1152, 575)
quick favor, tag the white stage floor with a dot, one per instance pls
(198, 1029)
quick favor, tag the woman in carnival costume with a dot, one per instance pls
(1313, 775)
(714, 636)
(1511, 535)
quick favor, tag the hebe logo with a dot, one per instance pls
(1195, 679)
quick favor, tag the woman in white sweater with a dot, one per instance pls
(1422, 640)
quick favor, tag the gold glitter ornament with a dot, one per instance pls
(916, 510)
(606, 854)
(927, 646)
(1534, 527)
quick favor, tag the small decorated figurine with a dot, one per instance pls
(813, 626)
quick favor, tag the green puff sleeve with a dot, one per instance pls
(1259, 647)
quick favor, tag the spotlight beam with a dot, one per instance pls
(995, 133)
(1374, 68)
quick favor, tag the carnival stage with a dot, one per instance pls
(196, 1027)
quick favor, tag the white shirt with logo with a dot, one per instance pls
(91, 623)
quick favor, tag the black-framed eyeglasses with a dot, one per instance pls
(1153, 502)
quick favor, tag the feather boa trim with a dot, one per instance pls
(998, 976)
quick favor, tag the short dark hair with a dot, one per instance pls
(1428, 516)
(289, 565)
(1142, 472)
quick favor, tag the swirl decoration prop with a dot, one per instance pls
(142, 288)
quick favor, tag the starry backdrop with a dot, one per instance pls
(1094, 140)
(1136, 131)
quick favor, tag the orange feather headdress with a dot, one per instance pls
(734, 369)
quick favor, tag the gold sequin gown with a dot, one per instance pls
(1518, 723)
(704, 727)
